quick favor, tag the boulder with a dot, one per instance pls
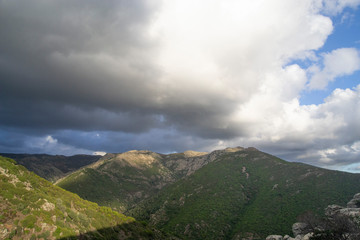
(355, 202)
(274, 237)
(287, 237)
(300, 228)
(332, 210)
(350, 212)
(307, 236)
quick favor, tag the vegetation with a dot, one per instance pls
(119, 181)
(245, 194)
(33, 208)
(227, 194)
(52, 167)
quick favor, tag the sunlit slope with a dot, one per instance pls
(33, 208)
(246, 193)
(122, 180)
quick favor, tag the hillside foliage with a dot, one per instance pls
(52, 167)
(33, 208)
(246, 194)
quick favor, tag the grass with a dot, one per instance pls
(23, 210)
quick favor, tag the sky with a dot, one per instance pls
(85, 76)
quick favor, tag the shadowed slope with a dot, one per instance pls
(52, 167)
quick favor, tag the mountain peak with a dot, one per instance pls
(234, 149)
(191, 153)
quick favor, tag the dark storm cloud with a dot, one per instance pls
(60, 50)
(55, 116)
(82, 76)
(162, 141)
(88, 65)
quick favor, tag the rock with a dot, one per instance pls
(332, 210)
(274, 237)
(307, 236)
(302, 231)
(300, 228)
(350, 212)
(3, 232)
(355, 202)
(287, 237)
(47, 206)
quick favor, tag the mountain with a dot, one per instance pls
(33, 208)
(245, 194)
(52, 167)
(235, 193)
(122, 180)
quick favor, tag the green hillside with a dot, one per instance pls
(245, 195)
(52, 167)
(233, 193)
(33, 208)
(122, 180)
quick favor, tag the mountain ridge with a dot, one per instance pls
(233, 193)
(33, 208)
(152, 170)
(52, 167)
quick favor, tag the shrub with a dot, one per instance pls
(29, 221)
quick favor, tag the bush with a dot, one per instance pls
(29, 221)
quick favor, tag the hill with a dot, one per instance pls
(33, 208)
(234, 193)
(52, 167)
(122, 180)
(245, 194)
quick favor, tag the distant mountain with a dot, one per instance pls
(122, 180)
(33, 208)
(245, 194)
(234, 193)
(52, 167)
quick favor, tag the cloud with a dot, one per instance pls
(339, 62)
(174, 75)
(324, 135)
(334, 7)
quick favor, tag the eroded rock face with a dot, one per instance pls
(300, 228)
(274, 237)
(355, 202)
(301, 231)
(352, 209)
(331, 210)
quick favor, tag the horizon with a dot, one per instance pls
(169, 76)
(101, 154)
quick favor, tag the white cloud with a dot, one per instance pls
(339, 62)
(215, 46)
(334, 7)
(52, 146)
(326, 134)
(99, 153)
(178, 74)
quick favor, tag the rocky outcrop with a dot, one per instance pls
(274, 237)
(355, 202)
(303, 231)
(300, 228)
